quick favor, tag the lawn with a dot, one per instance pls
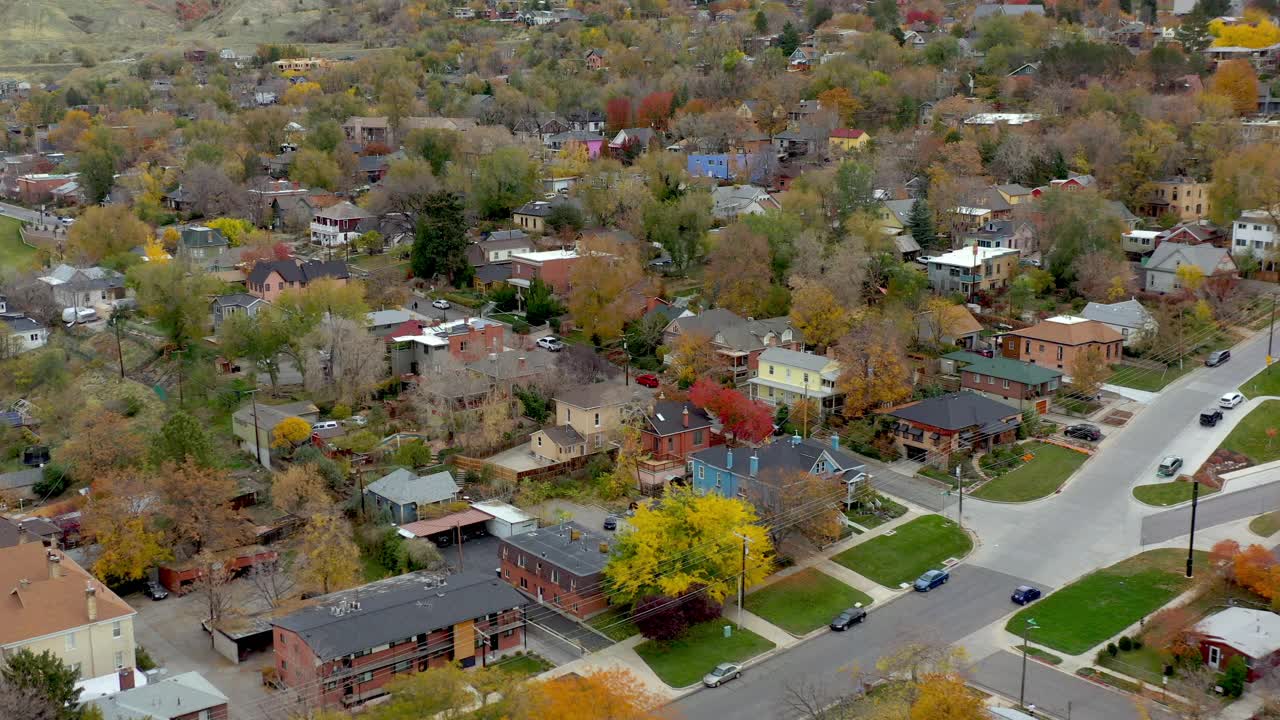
(13, 254)
(869, 517)
(914, 547)
(608, 623)
(1169, 493)
(1151, 380)
(681, 663)
(1145, 663)
(1250, 436)
(508, 318)
(1266, 382)
(1045, 655)
(526, 665)
(805, 601)
(377, 262)
(1044, 474)
(1266, 525)
(1102, 603)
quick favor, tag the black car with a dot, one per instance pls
(1083, 431)
(1024, 594)
(1210, 417)
(849, 618)
(156, 592)
(611, 523)
(1217, 357)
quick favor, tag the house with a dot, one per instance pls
(1002, 119)
(738, 342)
(737, 472)
(198, 244)
(1014, 194)
(671, 432)
(269, 278)
(585, 415)
(1254, 232)
(506, 519)
(85, 287)
(552, 267)
(51, 603)
(345, 647)
(498, 247)
(1162, 267)
(641, 139)
(1129, 318)
(383, 323)
(1015, 383)
(595, 59)
(224, 306)
(401, 492)
(846, 140)
(798, 141)
(586, 120)
(265, 418)
(1184, 197)
(1006, 234)
(413, 346)
(724, 166)
(930, 430)
(1247, 632)
(37, 188)
(21, 334)
(733, 201)
(1139, 242)
(36, 530)
(1196, 232)
(982, 208)
(508, 369)
(562, 565)
(957, 326)
(786, 377)
(182, 697)
(338, 224)
(895, 215)
(560, 142)
(297, 65)
(973, 269)
(532, 216)
(1059, 341)
(803, 58)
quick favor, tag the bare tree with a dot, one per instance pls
(445, 399)
(808, 699)
(401, 197)
(212, 585)
(24, 703)
(213, 193)
(27, 295)
(272, 582)
(1195, 684)
(346, 363)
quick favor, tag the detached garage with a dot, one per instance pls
(507, 519)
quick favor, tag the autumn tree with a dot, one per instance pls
(100, 441)
(655, 109)
(118, 518)
(792, 503)
(354, 361)
(816, 313)
(600, 299)
(842, 102)
(103, 231)
(1256, 568)
(947, 697)
(737, 274)
(746, 420)
(197, 502)
(329, 555)
(316, 169)
(505, 179)
(1103, 276)
(693, 357)
(1246, 179)
(607, 694)
(872, 371)
(176, 298)
(1088, 371)
(301, 491)
(290, 432)
(1236, 79)
(1257, 31)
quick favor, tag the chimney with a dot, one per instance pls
(126, 678)
(91, 600)
(831, 352)
(685, 416)
(55, 565)
(728, 459)
(520, 362)
(755, 465)
(23, 583)
(835, 442)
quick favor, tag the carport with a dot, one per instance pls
(446, 530)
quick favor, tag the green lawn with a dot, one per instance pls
(377, 262)
(527, 665)
(870, 517)
(1169, 493)
(1151, 380)
(805, 601)
(508, 318)
(1044, 474)
(608, 623)
(1250, 436)
(1102, 603)
(1146, 663)
(683, 662)
(916, 546)
(1266, 525)
(13, 254)
(1266, 382)
(1045, 655)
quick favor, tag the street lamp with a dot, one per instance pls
(1026, 632)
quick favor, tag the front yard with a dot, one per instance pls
(1266, 525)
(1169, 493)
(805, 601)
(681, 663)
(876, 512)
(1047, 470)
(1102, 603)
(1266, 382)
(1151, 380)
(614, 623)
(13, 254)
(1250, 436)
(900, 557)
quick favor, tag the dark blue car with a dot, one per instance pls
(931, 580)
(1024, 594)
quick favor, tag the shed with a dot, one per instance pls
(446, 530)
(507, 519)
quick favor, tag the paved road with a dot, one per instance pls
(974, 598)
(19, 213)
(1213, 510)
(922, 492)
(1051, 690)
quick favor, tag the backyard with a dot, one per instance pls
(805, 601)
(1102, 603)
(1042, 475)
(14, 254)
(1250, 436)
(902, 555)
(683, 662)
(1169, 493)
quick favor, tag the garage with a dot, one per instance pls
(918, 454)
(445, 531)
(507, 519)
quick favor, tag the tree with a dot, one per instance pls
(788, 39)
(300, 490)
(1258, 31)
(617, 112)
(601, 281)
(761, 23)
(1074, 224)
(47, 675)
(791, 500)
(1088, 372)
(660, 618)
(213, 192)
(1233, 679)
(175, 298)
(506, 179)
(817, 314)
(316, 169)
(872, 372)
(259, 339)
(920, 223)
(405, 193)
(688, 540)
(101, 441)
(24, 703)
(693, 357)
(212, 587)
(679, 225)
(1246, 179)
(105, 231)
(1190, 277)
(852, 190)
(1255, 568)
(738, 273)
(118, 518)
(885, 14)
(540, 304)
(655, 109)
(747, 420)
(612, 694)
(1236, 79)
(329, 555)
(354, 364)
(181, 437)
(100, 155)
(290, 432)
(1193, 33)
(197, 501)
(440, 241)
(1104, 276)
(272, 581)
(947, 697)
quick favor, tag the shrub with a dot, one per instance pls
(1112, 650)
(143, 659)
(53, 481)
(1137, 644)
(1232, 681)
(422, 554)
(413, 454)
(1125, 643)
(700, 608)
(340, 412)
(660, 618)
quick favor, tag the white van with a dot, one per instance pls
(325, 425)
(79, 315)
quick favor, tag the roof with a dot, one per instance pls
(667, 417)
(782, 454)
(955, 411)
(505, 512)
(708, 322)
(957, 323)
(403, 487)
(379, 318)
(507, 364)
(271, 415)
(423, 528)
(236, 300)
(795, 358)
(905, 244)
(1069, 331)
(46, 605)
(292, 272)
(751, 334)
(971, 257)
(201, 236)
(1169, 255)
(563, 435)
(1256, 633)
(1005, 368)
(556, 546)
(1129, 314)
(90, 278)
(847, 133)
(989, 10)
(739, 196)
(33, 530)
(172, 697)
(901, 209)
(593, 395)
(21, 323)
(493, 272)
(546, 255)
(396, 608)
(343, 211)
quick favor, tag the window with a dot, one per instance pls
(697, 437)
(1028, 347)
(1215, 656)
(115, 629)
(991, 379)
(597, 419)
(977, 378)
(770, 369)
(1005, 384)
(806, 378)
(522, 561)
(402, 666)
(71, 641)
(119, 658)
(671, 444)
(539, 441)
(702, 472)
(1059, 352)
(573, 584)
(555, 575)
(524, 583)
(34, 337)
(568, 415)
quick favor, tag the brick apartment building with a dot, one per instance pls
(551, 267)
(1058, 341)
(562, 565)
(415, 346)
(345, 648)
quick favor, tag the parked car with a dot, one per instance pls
(723, 673)
(155, 591)
(1210, 417)
(987, 352)
(1024, 594)
(1230, 400)
(932, 579)
(551, 342)
(1169, 466)
(441, 304)
(1083, 431)
(648, 380)
(358, 421)
(1217, 357)
(660, 262)
(611, 522)
(849, 618)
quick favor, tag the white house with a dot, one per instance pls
(731, 201)
(1254, 232)
(1162, 268)
(22, 334)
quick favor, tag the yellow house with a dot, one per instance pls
(844, 140)
(51, 603)
(787, 376)
(894, 215)
(1184, 197)
(1014, 194)
(584, 417)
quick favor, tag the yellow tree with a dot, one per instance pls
(600, 284)
(235, 230)
(170, 239)
(1190, 277)
(329, 555)
(302, 93)
(105, 230)
(816, 313)
(610, 694)
(1258, 31)
(70, 128)
(689, 540)
(573, 161)
(1089, 371)
(946, 697)
(1236, 80)
(290, 432)
(872, 371)
(155, 251)
(738, 275)
(118, 520)
(693, 356)
(842, 102)
(300, 491)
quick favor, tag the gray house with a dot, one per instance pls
(401, 492)
(1162, 266)
(199, 244)
(1129, 318)
(224, 306)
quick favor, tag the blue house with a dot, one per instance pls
(736, 472)
(724, 166)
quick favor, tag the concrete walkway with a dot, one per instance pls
(620, 656)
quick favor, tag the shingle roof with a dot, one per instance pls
(955, 411)
(48, 605)
(493, 272)
(201, 236)
(236, 300)
(750, 335)
(21, 323)
(177, 696)
(709, 322)
(403, 487)
(1005, 368)
(667, 417)
(782, 454)
(563, 435)
(1206, 257)
(1069, 331)
(593, 395)
(795, 358)
(901, 209)
(295, 273)
(554, 545)
(1129, 314)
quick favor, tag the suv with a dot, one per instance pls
(1169, 466)
(1217, 357)
(551, 342)
(1083, 431)
(1210, 417)
(155, 591)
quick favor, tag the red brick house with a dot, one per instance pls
(342, 650)
(595, 59)
(562, 565)
(930, 430)
(551, 267)
(1058, 341)
(269, 278)
(1251, 634)
(38, 188)
(414, 346)
(672, 431)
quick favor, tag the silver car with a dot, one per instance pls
(723, 673)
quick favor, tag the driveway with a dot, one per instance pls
(920, 491)
(590, 517)
(1056, 692)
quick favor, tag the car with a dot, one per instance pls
(156, 592)
(987, 353)
(551, 342)
(67, 222)
(660, 262)
(325, 425)
(932, 579)
(1083, 431)
(723, 673)
(611, 522)
(648, 380)
(1210, 417)
(1217, 357)
(440, 304)
(1230, 400)
(358, 420)
(849, 618)
(1024, 594)
(1169, 466)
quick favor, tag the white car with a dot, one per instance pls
(551, 343)
(1230, 400)
(441, 304)
(723, 673)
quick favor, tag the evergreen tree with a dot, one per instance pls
(182, 437)
(1193, 33)
(46, 675)
(540, 304)
(920, 223)
(789, 40)
(440, 241)
(761, 23)
(885, 14)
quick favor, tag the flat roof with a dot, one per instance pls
(421, 528)
(971, 256)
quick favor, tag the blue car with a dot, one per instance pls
(931, 580)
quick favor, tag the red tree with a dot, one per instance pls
(618, 113)
(924, 16)
(660, 618)
(749, 420)
(655, 108)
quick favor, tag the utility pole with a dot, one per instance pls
(742, 579)
(960, 492)
(1022, 689)
(626, 361)
(1191, 544)
(115, 320)
(1271, 333)
(257, 443)
(457, 526)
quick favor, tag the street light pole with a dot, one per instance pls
(1271, 332)
(1191, 545)
(960, 492)
(1022, 689)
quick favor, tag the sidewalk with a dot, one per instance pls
(621, 656)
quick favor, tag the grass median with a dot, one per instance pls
(805, 601)
(683, 662)
(1169, 493)
(1042, 475)
(914, 547)
(1250, 435)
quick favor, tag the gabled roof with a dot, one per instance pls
(563, 435)
(955, 411)
(901, 209)
(403, 487)
(750, 335)
(1005, 368)
(782, 454)
(177, 696)
(1169, 255)
(1064, 330)
(667, 417)
(292, 272)
(795, 358)
(46, 605)
(847, 133)
(243, 300)
(708, 322)
(343, 211)
(594, 395)
(1129, 313)
(957, 323)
